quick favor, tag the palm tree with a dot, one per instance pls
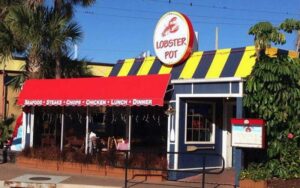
(29, 27)
(44, 32)
(5, 5)
(64, 7)
(6, 43)
(62, 34)
(265, 34)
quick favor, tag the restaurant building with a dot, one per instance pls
(180, 100)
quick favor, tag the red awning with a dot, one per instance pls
(110, 91)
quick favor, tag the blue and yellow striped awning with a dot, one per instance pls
(231, 62)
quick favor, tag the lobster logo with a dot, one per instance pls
(172, 27)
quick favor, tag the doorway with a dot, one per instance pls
(229, 112)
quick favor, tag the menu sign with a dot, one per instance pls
(248, 133)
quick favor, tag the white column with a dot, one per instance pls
(87, 130)
(31, 126)
(168, 139)
(62, 129)
(129, 128)
(224, 132)
(24, 125)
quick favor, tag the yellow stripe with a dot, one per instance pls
(271, 52)
(146, 66)
(293, 54)
(191, 65)
(247, 62)
(127, 64)
(218, 63)
(165, 69)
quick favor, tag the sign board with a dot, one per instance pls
(248, 133)
(87, 102)
(173, 38)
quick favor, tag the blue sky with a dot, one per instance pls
(120, 29)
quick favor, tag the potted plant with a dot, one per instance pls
(255, 176)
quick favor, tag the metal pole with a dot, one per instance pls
(126, 168)
(203, 168)
(87, 130)
(62, 129)
(129, 130)
(217, 39)
(3, 91)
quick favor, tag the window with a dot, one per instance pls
(200, 123)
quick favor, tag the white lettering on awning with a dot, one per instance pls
(119, 102)
(33, 102)
(53, 102)
(73, 102)
(96, 102)
(142, 102)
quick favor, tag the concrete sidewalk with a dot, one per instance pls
(10, 174)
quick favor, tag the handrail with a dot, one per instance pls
(202, 171)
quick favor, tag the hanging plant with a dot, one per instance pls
(170, 111)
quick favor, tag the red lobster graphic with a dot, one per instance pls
(172, 27)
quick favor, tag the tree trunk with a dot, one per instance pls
(34, 67)
(58, 5)
(57, 68)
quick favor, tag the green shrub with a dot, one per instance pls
(272, 93)
(5, 130)
(255, 172)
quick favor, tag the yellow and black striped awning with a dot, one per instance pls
(231, 62)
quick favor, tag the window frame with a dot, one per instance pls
(212, 138)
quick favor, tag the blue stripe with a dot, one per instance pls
(155, 67)
(136, 66)
(282, 52)
(176, 70)
(233, 62)
(204, 64)
(116, 68)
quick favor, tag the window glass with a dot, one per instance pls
(199, 122)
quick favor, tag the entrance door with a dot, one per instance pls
(229, 112)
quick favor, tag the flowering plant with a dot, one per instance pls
(290, 136)
(272, 85)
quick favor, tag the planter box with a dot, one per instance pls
(253, 184)
(115, 172)
(94, 170)
(47, 164)
(27, 162)
(70, 167)
(87, 169)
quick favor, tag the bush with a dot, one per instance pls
(272, 93)
(255, 172)
(5, 130)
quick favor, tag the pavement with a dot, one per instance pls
(13, 176)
